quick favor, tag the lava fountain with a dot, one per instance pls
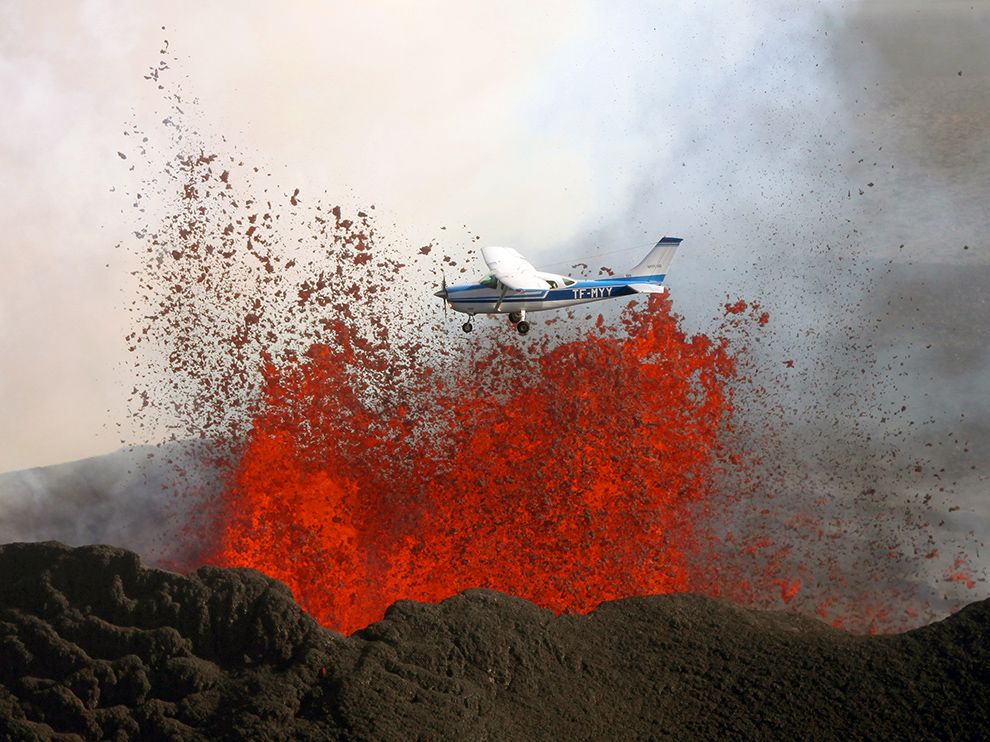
(567, 475)
(370, 453)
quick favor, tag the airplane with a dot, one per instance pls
(515, 287)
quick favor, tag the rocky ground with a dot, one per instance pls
(94, 646)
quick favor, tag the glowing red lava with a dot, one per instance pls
(375, 459)
(575, 484)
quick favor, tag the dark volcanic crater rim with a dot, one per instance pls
(95, 646)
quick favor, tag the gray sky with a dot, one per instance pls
(559, 128)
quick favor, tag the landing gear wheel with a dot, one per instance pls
(523, 327)
(515, 317)
(467, 327)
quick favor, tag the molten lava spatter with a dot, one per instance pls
(576, 483)
(373, 453)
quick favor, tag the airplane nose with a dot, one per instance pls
(441, 294)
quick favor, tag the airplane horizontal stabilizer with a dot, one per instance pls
(648, 288)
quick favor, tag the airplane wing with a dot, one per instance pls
(512, 269)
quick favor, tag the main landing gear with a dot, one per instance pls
(519, 320)
(516, 318)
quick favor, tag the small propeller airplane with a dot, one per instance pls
(515, 287)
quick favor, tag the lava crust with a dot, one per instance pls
(95, 646)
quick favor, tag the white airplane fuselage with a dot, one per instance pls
(477, 298)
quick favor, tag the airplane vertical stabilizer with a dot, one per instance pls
(658, 261)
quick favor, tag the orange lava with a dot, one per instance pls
(567, 475)
(584, 462)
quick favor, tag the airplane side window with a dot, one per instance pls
(553, 284)
(489, 282)
(569, 282)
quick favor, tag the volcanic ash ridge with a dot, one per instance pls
(95, 646)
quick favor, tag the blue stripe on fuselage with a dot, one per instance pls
(605, 288)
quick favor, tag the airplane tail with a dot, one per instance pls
(655, 264)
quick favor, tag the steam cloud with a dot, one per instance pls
(797, 150)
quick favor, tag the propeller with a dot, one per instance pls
(442, 293)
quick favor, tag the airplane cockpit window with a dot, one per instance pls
(553, 284)
(489, 282)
